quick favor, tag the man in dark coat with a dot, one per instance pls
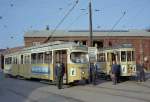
(93, 73)
(118, 70)
(140, 72)
(59, 71)
(95, 68)
(114, 72)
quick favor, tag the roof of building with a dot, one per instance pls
(12, 50)
(61, 33)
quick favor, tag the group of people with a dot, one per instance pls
(93, 68)
(114, 73)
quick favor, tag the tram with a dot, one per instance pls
(123, 54)
(39, 61)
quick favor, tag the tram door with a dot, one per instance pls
(61, 57)
(110, 57)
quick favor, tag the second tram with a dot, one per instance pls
(123, 54)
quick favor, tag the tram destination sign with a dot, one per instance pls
(92, 52)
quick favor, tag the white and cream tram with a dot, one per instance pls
(123, 54)
(39, 61)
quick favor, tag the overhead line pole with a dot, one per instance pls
(90, 25)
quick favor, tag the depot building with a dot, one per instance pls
(140, 39)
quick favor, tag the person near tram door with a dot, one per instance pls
(118, 70)
(114, 72)
(93, 73)
(59, 71)
(140, 72)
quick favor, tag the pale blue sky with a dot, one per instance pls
(18, 16)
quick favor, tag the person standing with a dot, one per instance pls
(59, 75)
(92, 73)
(118, 70)
(114, 72)
(140, 72)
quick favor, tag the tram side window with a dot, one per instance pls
(123, 56)
(27, 59)
(21, 59)
(48, 57)
(14, 60)
(101, 57)
(8, 60)
(40, 58)
(33, 58)
(128, 55)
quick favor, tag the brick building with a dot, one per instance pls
(140, 39)
(6, 51)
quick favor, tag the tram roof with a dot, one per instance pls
(53, 45)
(117, 47)
(43, 47)
(62, 33)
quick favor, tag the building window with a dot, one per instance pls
(84, 42)
(98, 44)
(35, 43)
(110, 44)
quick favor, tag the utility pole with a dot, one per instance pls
(90, 25)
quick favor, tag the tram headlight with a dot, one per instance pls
(83, 72)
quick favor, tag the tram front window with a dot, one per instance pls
(79, 57)
(123, 56)
(129, 56)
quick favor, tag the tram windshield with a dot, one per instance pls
(127, 55)
(79, 57)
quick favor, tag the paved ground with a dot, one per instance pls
(16, 90)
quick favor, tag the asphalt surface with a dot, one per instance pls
(20, 90)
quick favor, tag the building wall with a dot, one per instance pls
(141, 44)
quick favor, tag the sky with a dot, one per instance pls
(19, 16)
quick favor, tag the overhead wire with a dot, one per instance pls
(75, 20)
(62, 20)
(116, 23)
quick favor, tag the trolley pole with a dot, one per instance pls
(90, 25)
